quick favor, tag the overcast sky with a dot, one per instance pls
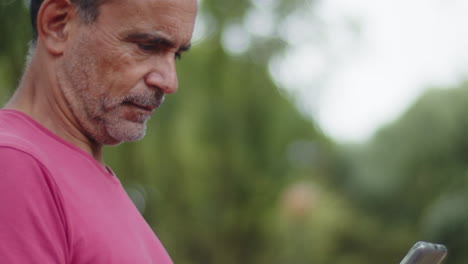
(379, 57)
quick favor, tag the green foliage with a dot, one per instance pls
(15, 32)
(413, 173)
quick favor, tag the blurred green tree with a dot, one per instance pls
(16, 32)
(413, 174)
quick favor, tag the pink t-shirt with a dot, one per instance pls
(58, 205)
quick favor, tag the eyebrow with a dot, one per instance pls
(156, 39)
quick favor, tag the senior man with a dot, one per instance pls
(96, 71)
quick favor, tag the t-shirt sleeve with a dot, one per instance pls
(32, 223)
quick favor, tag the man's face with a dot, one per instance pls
(115, 71)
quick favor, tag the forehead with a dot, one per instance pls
(173, 17)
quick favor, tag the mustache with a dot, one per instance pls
(151, 100)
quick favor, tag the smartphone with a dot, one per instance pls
(425, 253)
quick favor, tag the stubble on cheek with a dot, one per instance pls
(113, 122)
(96, 93)
(123, 121)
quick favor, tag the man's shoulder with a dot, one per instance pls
(18, 167)
(17, 134)
(31, 210)
(14, 143)
(11, 157)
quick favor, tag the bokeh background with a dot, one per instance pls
(235, 167)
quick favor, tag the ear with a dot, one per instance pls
(53, 24)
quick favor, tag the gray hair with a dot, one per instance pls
(88, 11)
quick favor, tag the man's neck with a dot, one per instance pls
(39, 96)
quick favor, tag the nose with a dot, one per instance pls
(163, 76)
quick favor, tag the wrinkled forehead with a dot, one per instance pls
(148, 10)
(174, 17)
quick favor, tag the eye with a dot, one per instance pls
(146, 47)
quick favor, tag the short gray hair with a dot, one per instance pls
(88, 11)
